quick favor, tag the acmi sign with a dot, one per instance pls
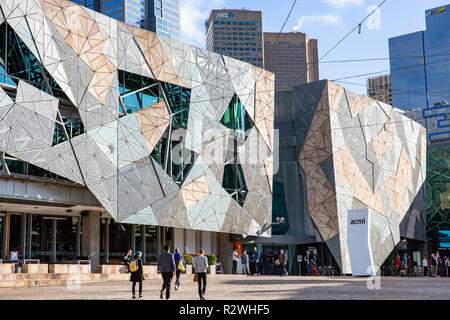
(225, 15)
(358, 221)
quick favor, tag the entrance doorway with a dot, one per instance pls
(117, 238)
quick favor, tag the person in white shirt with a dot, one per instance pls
(425, 266)
(235, 260)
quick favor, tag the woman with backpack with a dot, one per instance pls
(137, 273)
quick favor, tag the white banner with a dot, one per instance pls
(358, 240)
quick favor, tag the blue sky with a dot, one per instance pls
(328, 21)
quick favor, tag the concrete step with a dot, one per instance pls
(61, 279)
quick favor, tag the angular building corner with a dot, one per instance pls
(134, 95)
(360, 153)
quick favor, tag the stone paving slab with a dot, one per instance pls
(237, 287)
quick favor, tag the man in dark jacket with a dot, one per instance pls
(137, 276)
(256, 257)
(167, 269)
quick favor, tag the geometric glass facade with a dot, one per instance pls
(359, 153)
(125, 113)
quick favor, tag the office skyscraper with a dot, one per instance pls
(236, 33)
(420, 68)
(160, 16)
(293, 57)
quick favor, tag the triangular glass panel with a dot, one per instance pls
(237, 119)
(234, 182)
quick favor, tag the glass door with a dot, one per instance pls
(16, 237)
(151, 244)
(41, 239)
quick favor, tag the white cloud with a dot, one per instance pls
(343, 3)
(194, 13)
(329, 19)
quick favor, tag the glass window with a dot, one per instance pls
(119, 240)
(16, 228)
(138, 237)
(42, 239)
(66, 239)
(151, 244)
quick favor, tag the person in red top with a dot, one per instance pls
(398, 265)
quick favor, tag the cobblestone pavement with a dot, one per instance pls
(229, 287)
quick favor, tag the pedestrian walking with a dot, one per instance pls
(276, 262)
(137, 273)
(409, 265)
(404, 266)
(235, 260)
(283, 262)
(313, 258)
(167, 269)
(179, 263)
(308, 262)
(447, 265)
(425, 266)
(256, 257)
(433, 265)
(398, 265)
(244, 262)
(201, 265)
(127, 259)
(441, 267)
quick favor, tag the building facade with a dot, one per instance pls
(420, 70)
(155, 133)
(293, 57)
(236, 33)
(159, 16)
(379, 88)
(340, 151)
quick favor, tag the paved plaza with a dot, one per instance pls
(229, 287)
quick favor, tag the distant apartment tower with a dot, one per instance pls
(293, 57)
(420, 68)
(159, 16)
(379, 88)
(236, 33)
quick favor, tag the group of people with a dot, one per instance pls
(267, 263)
(435, 266)
(311, 262)
(170, 265)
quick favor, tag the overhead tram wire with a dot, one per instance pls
(284, 24)
(336, 80)
(285, 21)
(351, 31)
